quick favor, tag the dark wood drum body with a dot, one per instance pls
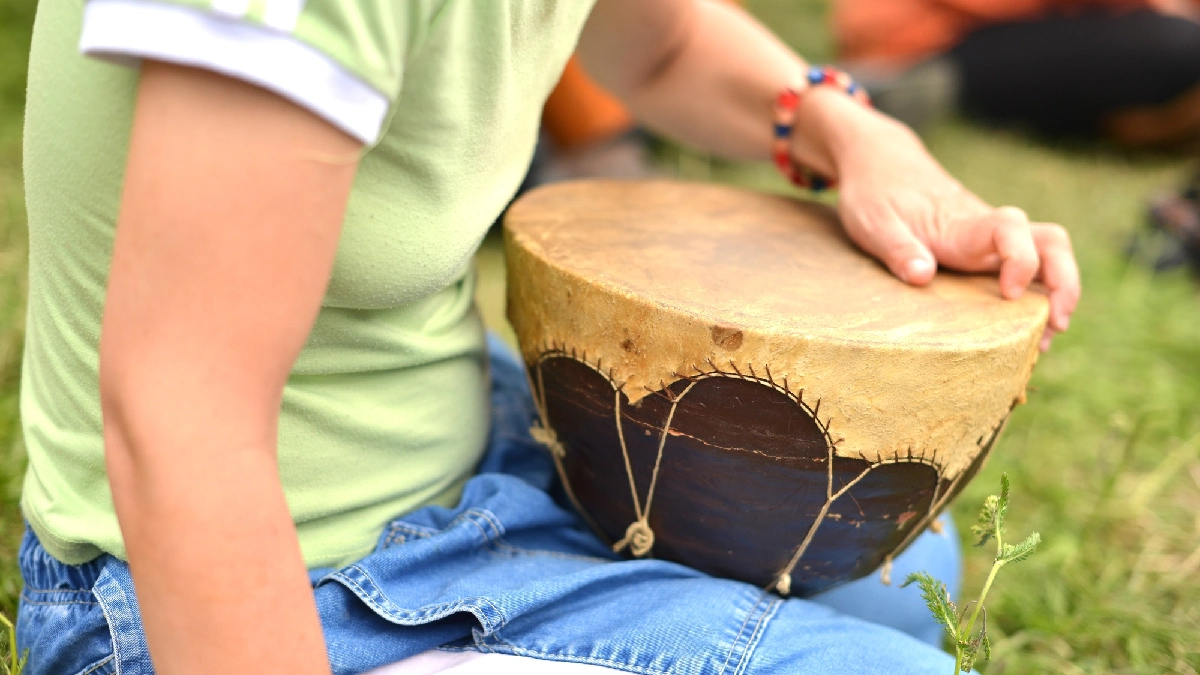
(726, 382)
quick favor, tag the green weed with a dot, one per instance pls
(11, 663)
(961, 630)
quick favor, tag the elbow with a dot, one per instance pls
(118, 406)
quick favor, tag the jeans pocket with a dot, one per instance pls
(65, 633)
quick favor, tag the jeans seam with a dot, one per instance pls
(97, 666)
(487, 541)
(491, 540)
(395, 536)
(733, 646)
(492, 521)
(49, 591)
(363, 595)
(445, 610)
(54, 603)
(422, 532)
(472, 515)
(752, 642)
(409, 530)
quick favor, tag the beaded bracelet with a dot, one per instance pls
(786, 104)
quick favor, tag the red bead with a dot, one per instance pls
(786, 104)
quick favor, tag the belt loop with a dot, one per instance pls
(114, 591)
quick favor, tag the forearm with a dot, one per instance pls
(214, 555)
(715, 88)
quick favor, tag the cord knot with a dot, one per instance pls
(639, 538)
(784, 585)
(547, 437)
(885, 571)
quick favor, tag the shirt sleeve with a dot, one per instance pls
(341, 59)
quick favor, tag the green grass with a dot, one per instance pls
(1104, 458)
(15, 19)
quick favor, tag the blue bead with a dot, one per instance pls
(817, 184)
(782, 130)
(816, 75)
(852, 89)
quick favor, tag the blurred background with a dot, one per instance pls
(1104, 458)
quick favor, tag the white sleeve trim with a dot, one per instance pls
(126, 31)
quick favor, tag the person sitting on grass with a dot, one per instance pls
(266, 430)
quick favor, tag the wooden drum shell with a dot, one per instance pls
(790, 414)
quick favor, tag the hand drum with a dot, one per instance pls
(725, 381)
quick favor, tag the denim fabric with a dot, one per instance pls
(512, 570)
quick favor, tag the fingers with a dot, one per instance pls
(1013, 242)
(885, 236)
(1047, 336)
(1000, 240)
(1039, 250)
(1027, 251)
(1059, 272)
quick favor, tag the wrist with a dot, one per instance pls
(822, 122)
(828, 126)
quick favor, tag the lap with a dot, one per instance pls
(512, 572)
(532, 583)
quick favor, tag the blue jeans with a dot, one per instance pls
(513, 570)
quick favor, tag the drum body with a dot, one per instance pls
(725, 381)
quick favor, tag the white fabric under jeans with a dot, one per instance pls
(437, 662)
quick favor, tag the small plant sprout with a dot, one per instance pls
(968, 643)
(12, 664)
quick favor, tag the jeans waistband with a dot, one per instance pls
(44, 572)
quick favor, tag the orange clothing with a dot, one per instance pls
(579, 112)
(906, 31)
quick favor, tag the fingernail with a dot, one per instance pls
(1063, 323)
(1045, 344)
(1014, 291)
(917, 268)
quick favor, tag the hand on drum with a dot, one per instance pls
(901, 206)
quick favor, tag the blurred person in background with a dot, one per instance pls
(1125, 70)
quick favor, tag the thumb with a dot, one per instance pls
(889, 239)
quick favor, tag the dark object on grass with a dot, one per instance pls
(1172, 237)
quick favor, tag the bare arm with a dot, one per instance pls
(229, 223)
(706, 74)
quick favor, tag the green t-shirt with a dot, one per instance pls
(386, 409)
